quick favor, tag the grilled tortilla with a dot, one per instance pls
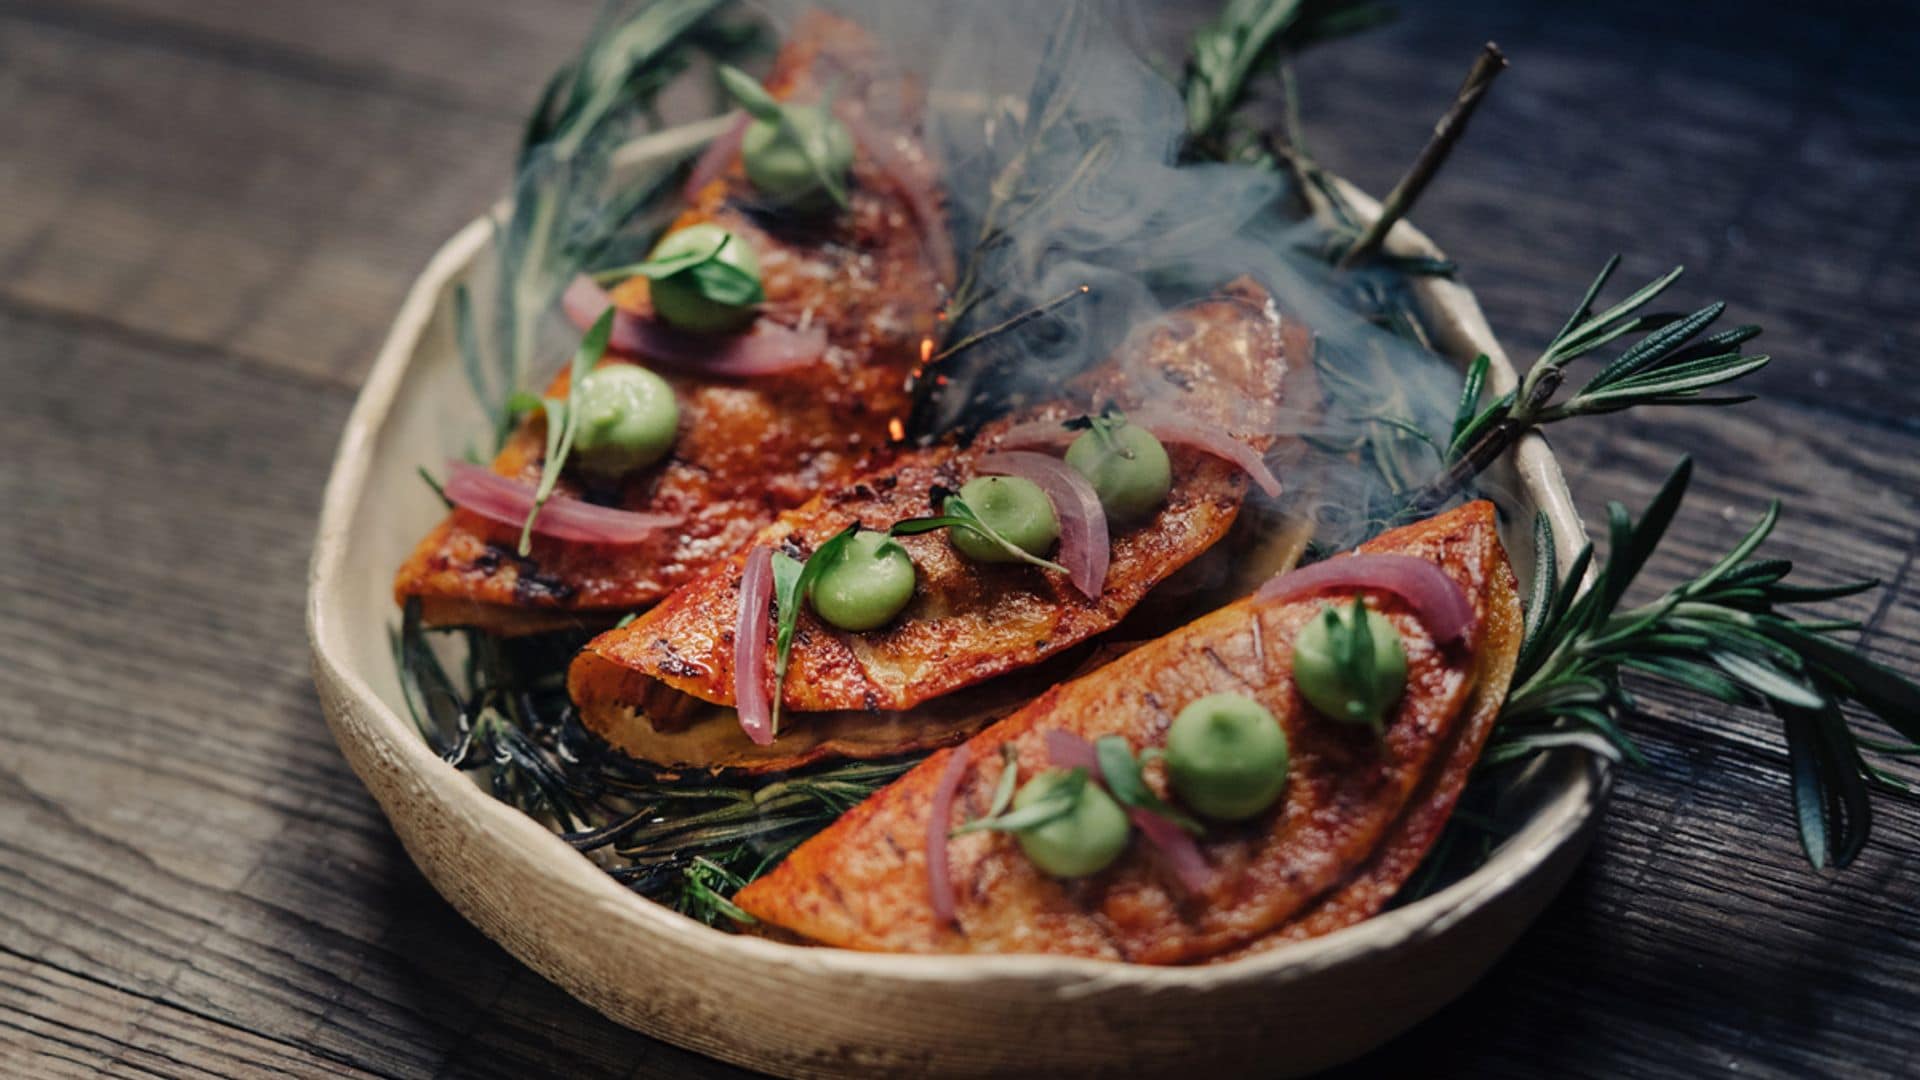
(1357, 812)
(661, 688)
(747, 448)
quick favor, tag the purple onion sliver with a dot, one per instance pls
(1175, 846)
(767, 348)
(508, 501)
(1069, 751)
(1084, 547)
(939, 876)
(1435, 597)
(1213, 440)
(750, 695)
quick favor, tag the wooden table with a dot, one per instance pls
(208, 213)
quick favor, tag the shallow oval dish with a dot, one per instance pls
(805, 1012)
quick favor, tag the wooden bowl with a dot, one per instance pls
(806, 1012)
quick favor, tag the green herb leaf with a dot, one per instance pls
(1520, 747)
(721, 282)
(1122, 773)
(563, 420)
(961, 516)
(1359, 655)
(725, 283)
(522, 402)
(1829, 795)
(666, 266)
(752, 96)
(1009, 780)
(792, 582)
(1470, 391)
(761, 105)
(1059, 803)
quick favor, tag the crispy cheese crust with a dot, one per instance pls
(641, 686)
(747, 449)
(1357, 813)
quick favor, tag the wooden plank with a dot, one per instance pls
(175, 823)
(488, 58)
(55, 1023)
(1777, 158)
(217, 204)
(208, 213)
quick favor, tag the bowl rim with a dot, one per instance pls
(1558, 820)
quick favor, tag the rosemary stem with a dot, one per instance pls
(1521, 418)
(1446, 134)
(1013, 323)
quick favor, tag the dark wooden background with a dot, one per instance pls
(209, 210)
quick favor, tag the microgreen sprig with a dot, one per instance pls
(1103, 425)
(721, 282)
(1119, 773)
(1057, 804)
(761, 105)
(792, 581)
(1350, 646)
(956, 514)
(1121, 770)
(563, 420)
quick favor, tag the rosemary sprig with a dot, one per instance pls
(1672, 363)
(1721, 634)
(562, 216)
(687, 843)
(1247, 37)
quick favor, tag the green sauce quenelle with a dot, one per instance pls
(628, 419)
(868, 583)
(1126, 465)
(1084, 840)
(781, 157)
(796, 155)
(1350, 665)
(1227, 757)
(1012, 506)
(714, 295)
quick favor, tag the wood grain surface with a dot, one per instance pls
(209, 211)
